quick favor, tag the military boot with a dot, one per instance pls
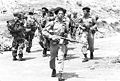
(53, 73)
(20, 57)
(85, 59)
(91, 55)
(41, 44)
(44, 52)
(14, 58)
(65, 55)
(28, 50)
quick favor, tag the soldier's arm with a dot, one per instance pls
(81, 26)
(94, 20)
(25, 23)
(37, 25)
(67, 25)
(48, 28)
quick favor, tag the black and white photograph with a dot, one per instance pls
(59, 40)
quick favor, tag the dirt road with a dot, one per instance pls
(36, 68)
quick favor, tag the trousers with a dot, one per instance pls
(88, 42)
(56, 50)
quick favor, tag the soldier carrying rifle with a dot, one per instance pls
(54, 30)
(88, 25)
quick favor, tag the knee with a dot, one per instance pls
(14, 50)
(52, 63)
(20, 51)
(84, 49)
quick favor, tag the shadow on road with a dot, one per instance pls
(36, 51)
(96, 48)
(72, 56)
(97, 58)
(71, 48)
(70, 75)
(28, 58)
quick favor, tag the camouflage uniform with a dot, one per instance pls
(16, 28)
(30, 31)
(56, 28)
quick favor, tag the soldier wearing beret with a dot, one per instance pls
(53, 30)
(88, 25)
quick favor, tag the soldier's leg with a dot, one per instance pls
(27, 37)
(31, 36)
(84, 47)
(65, 51)
(61, 52)
(44, 52)
(14, 49)
(84, 51)
(20, 50)
(45, 43)
(61, 59)
(74, 31)
(91, 44)
(30, 43)
(65, 42)
(53, 54)
(41, 39)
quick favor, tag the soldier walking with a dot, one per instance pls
(88, 25)
(44, 41)
(30, 29)
(53, 31)
(16, 28)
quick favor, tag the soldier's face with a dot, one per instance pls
(60, 14)
(43, 10)
(16, 18)
(85, 12)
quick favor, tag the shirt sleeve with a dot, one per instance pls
(67, 25)
(94, 20)
(47, 29)
(80, 20)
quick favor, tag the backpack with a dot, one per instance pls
(15, 26)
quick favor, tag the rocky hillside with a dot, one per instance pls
(107, 10)
(104, 8)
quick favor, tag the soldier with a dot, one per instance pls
(75, 24)
(53, 31)
(30, 30)
(44, 16)
(88, 25)
(16, 28)
(44, 42)
(70, 24)
(51, 16)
